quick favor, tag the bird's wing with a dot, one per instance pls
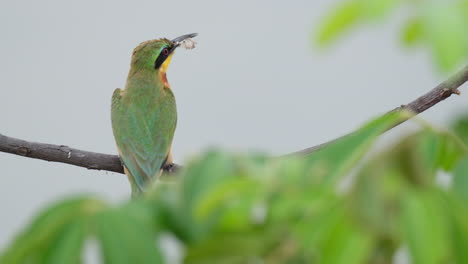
(143, 131)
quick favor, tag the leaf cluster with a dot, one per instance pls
(439, 25)
(341, 204)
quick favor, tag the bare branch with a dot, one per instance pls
(65, 154)
(60, 153)
(99, 161)
(421, 104)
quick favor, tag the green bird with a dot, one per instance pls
(144, 114)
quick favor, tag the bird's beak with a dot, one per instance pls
(179, 40)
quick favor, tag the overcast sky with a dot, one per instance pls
(255, 82)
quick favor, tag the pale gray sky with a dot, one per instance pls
(253, 82)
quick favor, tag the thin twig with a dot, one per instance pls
(99, 161)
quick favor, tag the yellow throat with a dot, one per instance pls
(163, 69)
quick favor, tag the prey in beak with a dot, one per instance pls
(184, 41)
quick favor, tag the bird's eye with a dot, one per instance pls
(163, 55)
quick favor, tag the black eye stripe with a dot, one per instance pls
(165, 52)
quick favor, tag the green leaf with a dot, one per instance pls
(379, 9)
(208, 173)
(420, 156)
(336, 159)
(424, 227)
(460, 180)
(317, 227)
(375, 198)
(227, 191)
(329, 238)
(440, 24)
(69, 244)
(458, 226)
(460, 127)
(445, 26)
(236, 247)
(44, 231)
(145, 211)
(438, 150)
(347, 246)
(346, 15)
(412, 32)
(125, 239)
(215, 168)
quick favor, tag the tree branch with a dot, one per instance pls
(65, 154)
(441, 92)
(60, 153)
(99, 161)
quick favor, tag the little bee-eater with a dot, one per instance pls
(144, 114)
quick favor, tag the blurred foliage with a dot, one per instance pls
(333, 206)
(460, 126)
(440, 25)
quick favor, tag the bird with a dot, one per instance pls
(144, 113)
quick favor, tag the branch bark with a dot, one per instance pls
(441, 92)
(107, 162)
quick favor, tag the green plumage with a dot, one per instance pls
(144, 116)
